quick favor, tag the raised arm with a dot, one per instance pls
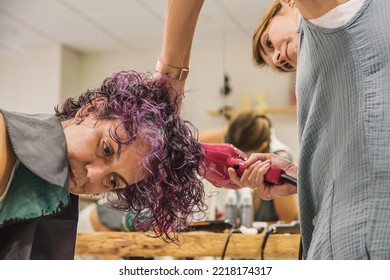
(180, 23)
(310, 9)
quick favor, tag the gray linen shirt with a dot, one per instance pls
(343, 97)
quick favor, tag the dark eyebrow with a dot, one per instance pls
(118, 155)
(122, 179)
(118, 151)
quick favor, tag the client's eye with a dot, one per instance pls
(113, 181)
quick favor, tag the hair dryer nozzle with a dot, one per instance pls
(218, 158)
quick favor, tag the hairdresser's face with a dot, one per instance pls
(97, 163)
(279, 42)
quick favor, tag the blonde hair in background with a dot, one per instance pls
(249, 131)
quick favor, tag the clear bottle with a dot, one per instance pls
(231, 212)
(246, 209)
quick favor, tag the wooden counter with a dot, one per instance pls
(194, 244)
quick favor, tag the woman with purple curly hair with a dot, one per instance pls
(146, 156)
(123, 139)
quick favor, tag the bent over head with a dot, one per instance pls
(137, 148)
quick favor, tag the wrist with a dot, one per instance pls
(175, 72)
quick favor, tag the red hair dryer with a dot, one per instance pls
(219, 157)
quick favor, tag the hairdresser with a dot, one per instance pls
(342, 64)
(341, 52)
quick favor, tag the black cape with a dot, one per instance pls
(39, 216)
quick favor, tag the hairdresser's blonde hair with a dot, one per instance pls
(256, 44)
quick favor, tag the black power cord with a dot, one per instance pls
(274, 176)
(265, 238)
(231, 231)
(294, 227)
(288, 179)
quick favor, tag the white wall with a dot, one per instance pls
(71, 75)
(44, 77)
(30, 82)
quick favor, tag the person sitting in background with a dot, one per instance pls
(100, 216)
(253, 133)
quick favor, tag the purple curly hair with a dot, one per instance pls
(172, 191)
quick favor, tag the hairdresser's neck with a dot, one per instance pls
(310, 9)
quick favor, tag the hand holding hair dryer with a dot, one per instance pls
(220, 156)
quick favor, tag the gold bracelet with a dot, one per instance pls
(176, 73)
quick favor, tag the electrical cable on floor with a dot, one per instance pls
(273, 229)
(227, 243)
(281, 228)
(265, 238)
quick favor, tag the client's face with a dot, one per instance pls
(97, 163)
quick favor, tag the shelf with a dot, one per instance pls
(281, 110)
(269, 110)
(196, 244)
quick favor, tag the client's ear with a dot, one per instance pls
(90, 108)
